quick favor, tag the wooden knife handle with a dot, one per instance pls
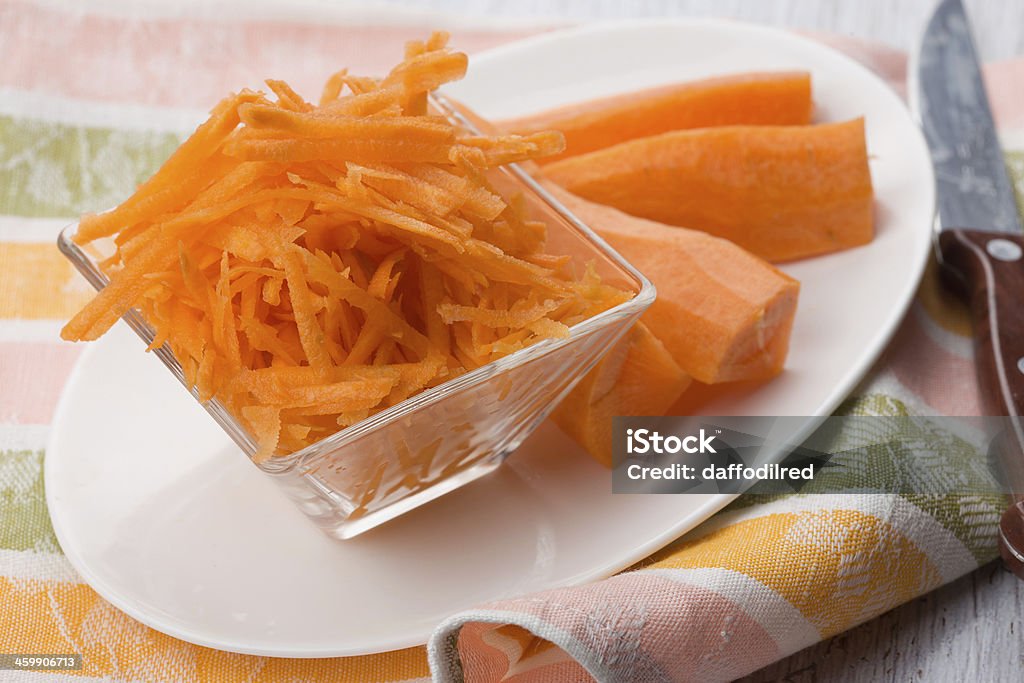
(990, 267)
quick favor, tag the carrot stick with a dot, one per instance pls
(723, 314)
(782, 98)
(781, 192)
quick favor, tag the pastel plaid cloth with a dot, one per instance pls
(91, 101)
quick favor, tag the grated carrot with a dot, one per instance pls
(311, 265)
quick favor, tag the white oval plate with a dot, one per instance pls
(163, 517)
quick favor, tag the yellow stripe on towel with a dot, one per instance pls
(838, 567)
(55, 617)
(37, 282)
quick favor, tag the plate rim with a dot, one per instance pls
(843, 388)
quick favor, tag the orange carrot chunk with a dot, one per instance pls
(781, 192)
(636, 377)
(723, 314)
(782, 99)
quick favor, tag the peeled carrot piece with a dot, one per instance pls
(722, 313)
(782, 98)
(782, 193)
(636, 377)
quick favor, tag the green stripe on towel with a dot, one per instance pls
(24, 519)
(59, 170)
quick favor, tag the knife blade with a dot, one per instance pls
(980, 237)
(973, 186)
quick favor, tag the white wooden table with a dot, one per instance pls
(972, 629)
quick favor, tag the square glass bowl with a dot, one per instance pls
(447, 436)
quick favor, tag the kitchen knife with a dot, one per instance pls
(979, 238)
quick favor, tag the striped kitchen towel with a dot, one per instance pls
(92, 99)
